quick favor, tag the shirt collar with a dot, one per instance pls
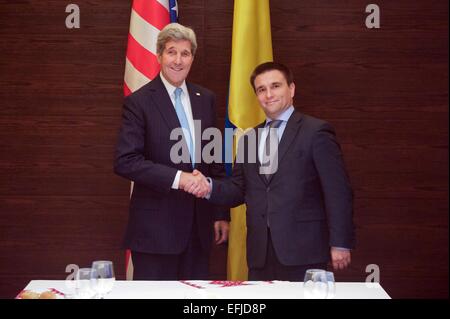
(283, 116)
(170, 88)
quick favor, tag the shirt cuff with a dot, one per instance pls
(341, 248)
(207, 196)
(176, 181)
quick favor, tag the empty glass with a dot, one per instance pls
(315, 284)
(103, 277)
(84, 286)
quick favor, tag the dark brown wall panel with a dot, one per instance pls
(385, 91)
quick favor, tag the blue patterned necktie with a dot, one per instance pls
(184, 122)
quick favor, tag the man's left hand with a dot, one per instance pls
(221, 228)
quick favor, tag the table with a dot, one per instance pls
(198, 289)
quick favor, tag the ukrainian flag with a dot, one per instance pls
(251, 46)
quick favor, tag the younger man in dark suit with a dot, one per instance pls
(299, 211)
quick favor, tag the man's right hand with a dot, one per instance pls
(194, 183)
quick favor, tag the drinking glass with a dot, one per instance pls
(84, 286)
(104, 277)
(315, 285)
(331, 285)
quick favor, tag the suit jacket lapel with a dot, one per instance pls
(290, 132)
(164, 103)
(196, 102)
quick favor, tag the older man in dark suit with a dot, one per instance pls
(297, 192)
(169, 231)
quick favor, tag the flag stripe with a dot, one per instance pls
(144, 33)
(153, 12)
(126, 90)
(133, 78)
(142, 59)
(164, 3)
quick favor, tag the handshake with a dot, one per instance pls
(195, 183)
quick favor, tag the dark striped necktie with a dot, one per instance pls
(271, 141)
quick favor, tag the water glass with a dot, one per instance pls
(104, 277)
(315, 284)
(84, 286)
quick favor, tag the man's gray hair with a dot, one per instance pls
(175, 32)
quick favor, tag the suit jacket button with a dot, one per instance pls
(268, 189)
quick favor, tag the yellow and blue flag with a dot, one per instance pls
(251, 46)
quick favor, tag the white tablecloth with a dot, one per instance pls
(212, 289)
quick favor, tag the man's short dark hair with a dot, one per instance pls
(269, 66)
